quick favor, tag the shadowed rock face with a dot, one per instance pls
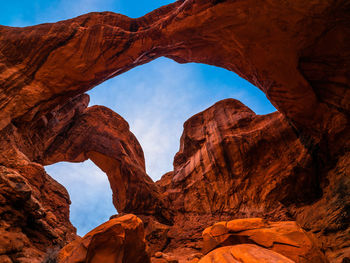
(104, 137)
(231, 163)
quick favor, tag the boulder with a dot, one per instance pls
(119, 240)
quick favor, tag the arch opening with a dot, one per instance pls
(158, 97)
(89, 190)
(155, 99)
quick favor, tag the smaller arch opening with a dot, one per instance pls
(89, 190)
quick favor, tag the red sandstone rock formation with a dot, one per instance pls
(104, 137)
(293, 164)
(233, 163)
(296, 52)
(230, 161)
(285, 238)
(117, 241)
(245, 253)
(35, 208)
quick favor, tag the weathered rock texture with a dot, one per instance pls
(103, 136)
(245, 253)
(37, 207)
(232, 163)
(285, 238)
(235, 164)
(295, 51)
(119, 240)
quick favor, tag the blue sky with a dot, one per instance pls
(156, 99)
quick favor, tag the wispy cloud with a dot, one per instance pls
(155, 100)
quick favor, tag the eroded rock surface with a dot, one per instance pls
(285, 238)
(119, 240)
(246, 253)
(227, 164)
(295, 51)
(35, 208)
(34, 212)
(232, 163)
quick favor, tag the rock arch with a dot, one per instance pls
(103, 136)
(297, 52)
(277, 46)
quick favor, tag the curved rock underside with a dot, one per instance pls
(232, 163)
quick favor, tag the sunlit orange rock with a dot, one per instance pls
(286, 238)
(245, 253)
(119, 240)
(229, 165)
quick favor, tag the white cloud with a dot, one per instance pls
(157, 98)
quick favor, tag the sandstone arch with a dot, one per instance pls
(101, 135)
(277, 46)
(297, 52)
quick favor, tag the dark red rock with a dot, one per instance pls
(227, 164)
(235, 164)
(104, 137)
